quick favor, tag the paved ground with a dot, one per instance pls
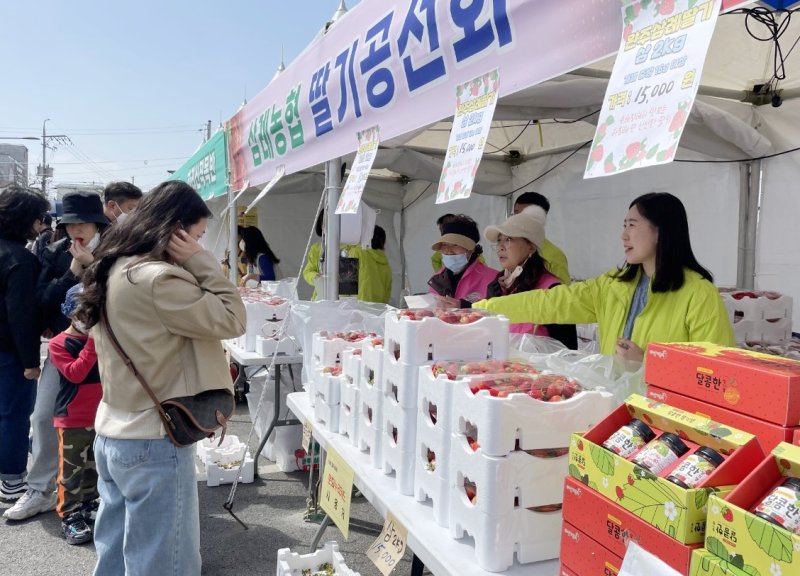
(273, 508)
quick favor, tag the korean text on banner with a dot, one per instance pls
(270, 185)
(653, 84)
(206, 171)
(368, 141)
(337, 488)
(475, 104)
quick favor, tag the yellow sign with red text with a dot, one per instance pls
(337, 489)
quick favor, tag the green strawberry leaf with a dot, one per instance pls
(717, 548)
(603, 459)
(737, 560)
(574, 472)
(652, 152)
(700, 499)
(771, 539)
(721, 432)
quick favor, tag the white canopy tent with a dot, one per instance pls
(526, 142)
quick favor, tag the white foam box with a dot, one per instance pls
(258, 314)
(208, 449)
(503, 422)
(370, 415)
(351, 366)
(530, 536)
(399, 382)
(372, 364)
(327, 414)
(217, 474)
(269, 346)
(293, 564)
(504, 483)
(399, 444)
(767, 306)
(326, 349)
(763, 330)
(416, 342)
(327, 386)
(348, 412)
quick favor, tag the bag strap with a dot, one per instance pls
(129, 363)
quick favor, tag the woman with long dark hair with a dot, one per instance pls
(661, 294)
(20, 212)
(258, 256)
(169, 306)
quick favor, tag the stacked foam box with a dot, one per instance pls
(754, 392)
(370, 401)
(350, 384)
(326, 353)
(314, 564)
(413, 339)
(326, 387)
(264, 314)
(222, 461)
(609, 500)
(508, 459)
(759, 316)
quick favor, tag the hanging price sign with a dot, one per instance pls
(390, 546)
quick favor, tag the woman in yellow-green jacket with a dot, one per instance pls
(662, 294)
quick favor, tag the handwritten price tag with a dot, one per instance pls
(337, 489)
(306, 445)
(390, 546)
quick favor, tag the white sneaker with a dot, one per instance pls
(30, 504)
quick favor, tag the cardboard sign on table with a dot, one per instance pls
(337, 490)
(475, 104)
(390, 545)
(653, 85)
(368, 141)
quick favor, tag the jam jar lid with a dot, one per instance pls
(674, 442)
(793, 483)
(711, 455)
(643, 429)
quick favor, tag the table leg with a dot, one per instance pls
(320, 531)
(275, 414)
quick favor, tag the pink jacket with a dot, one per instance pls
(546, 281)
(474, 282)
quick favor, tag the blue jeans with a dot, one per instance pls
(17, 396)
(149, 517)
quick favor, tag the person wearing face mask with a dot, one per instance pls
(463, 277)
(63, 264)
(120, 199)
(259, 257)
(517, 242)
(20, 212)
(661, 294)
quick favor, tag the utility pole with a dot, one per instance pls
(44, 170)
(208, 131)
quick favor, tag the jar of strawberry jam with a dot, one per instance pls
(629, 438)
(781, 506)
(662, 452)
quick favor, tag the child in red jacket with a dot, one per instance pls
(72, 353)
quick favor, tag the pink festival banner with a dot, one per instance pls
(397, 63)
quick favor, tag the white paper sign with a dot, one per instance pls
(420, 301)
(232, 203)
(368, 141)
(475, 103)
(639, 561)
(653, 84)
(275, 179)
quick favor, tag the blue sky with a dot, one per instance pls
(133, 83)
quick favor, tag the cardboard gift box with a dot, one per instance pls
(739, 537)
(581, 554)
(759, 385)
(769, 435)
(704, 563)
(612, 526)
(676, 511)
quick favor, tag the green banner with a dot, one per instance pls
(205, 171)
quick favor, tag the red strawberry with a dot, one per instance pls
(555, 398)
(667, 7)
(727, 513)
(473, 443)
(553, 390)
(633, 150)
(620, 493)
(609, 167)
(678, 120)
(597, 152)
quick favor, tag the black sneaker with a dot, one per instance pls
(76, 530)
(12, 489)
(89, 511)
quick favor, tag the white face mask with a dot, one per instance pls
(241, 245)
(121, 217)
(455, 262)
(93, 243)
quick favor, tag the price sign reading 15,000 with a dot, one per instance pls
(646, 92)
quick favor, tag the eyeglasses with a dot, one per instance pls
(504, 241)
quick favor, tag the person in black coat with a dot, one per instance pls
(20, 211)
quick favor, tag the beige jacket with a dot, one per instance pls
(169, 320)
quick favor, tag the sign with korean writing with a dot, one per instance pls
(475, 103)
(270, 185)
(368, 141)
(206, 171)
(390, 546)
(337, 488)
(653, 84)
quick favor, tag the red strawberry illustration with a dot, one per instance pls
(601, 130)
(727, 513)
(682, 435)
(620, 493)
(630, 479)
(609, 167)
(784, 463)
(636, 9)
(633, 150)
(597, 153)
(678, 120)
(580, 445)
(647, 418)
(667, 7)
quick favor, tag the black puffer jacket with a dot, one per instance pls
(19, 315)
(54, 281)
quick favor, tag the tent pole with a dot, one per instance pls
(333, 187)
(233, 237)
(749, 204)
